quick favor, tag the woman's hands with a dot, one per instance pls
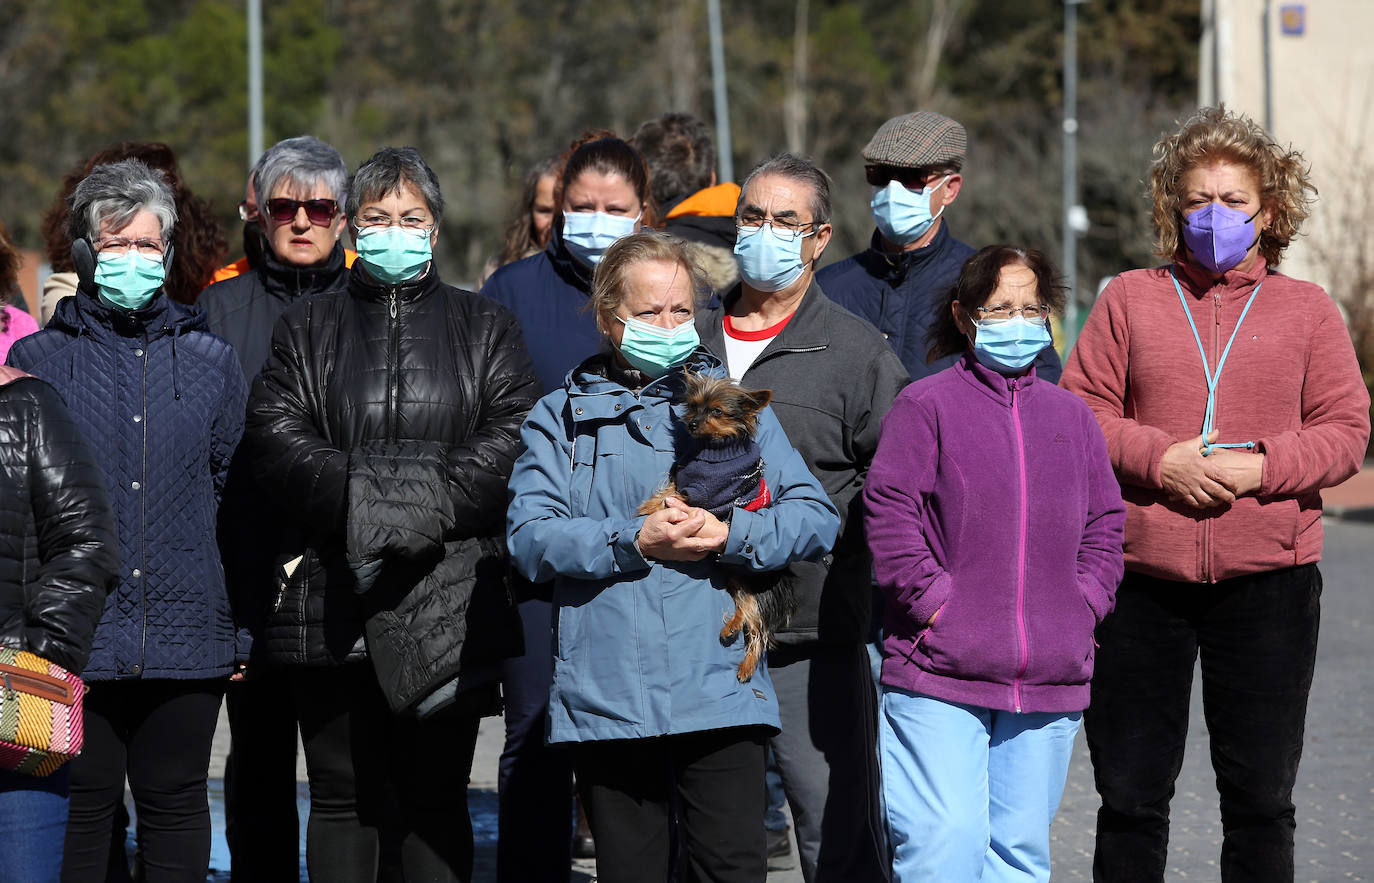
(680, 532)
(1214, 480)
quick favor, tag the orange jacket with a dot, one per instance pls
(714, 201)
(240, 266)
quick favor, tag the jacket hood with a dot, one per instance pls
(717, 201)
(82, 314)
(590, 377)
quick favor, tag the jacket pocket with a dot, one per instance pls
(970, 640)
(1061, 636)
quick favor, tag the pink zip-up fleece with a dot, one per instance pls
(1290, 384)
(991, 500)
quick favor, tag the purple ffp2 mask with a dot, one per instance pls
(1218, 236)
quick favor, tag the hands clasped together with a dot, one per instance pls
(680, 532)
(1214, 480)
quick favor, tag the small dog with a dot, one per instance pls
(724, 471)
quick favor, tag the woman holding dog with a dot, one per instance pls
(995, 523)
(645, 692)
(1230, 396)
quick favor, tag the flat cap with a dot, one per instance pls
(917, 140)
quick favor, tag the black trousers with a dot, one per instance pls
(534, 840)
(1257, 638)
(260, 821)
(712, 781)
(382, 783)
(157, 733)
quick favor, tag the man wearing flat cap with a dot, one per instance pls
(913, 164)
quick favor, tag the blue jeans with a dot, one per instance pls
(971, 791)
(33, 815)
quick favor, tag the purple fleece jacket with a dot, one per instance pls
(991, 500)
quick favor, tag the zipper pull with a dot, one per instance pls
(391, 304)
(1216, 298)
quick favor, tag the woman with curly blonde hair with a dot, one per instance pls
(1230, 396)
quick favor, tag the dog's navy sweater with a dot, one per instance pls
(721, 476)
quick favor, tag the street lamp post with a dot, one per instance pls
(254, 81)
(724, 157)
(1075, 217)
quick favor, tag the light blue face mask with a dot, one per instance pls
(656, 350)
(128, 281)
(588, 234)
(1007, 347)
(903, 216)
(394, 254)
(768, 262)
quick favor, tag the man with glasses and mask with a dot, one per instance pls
(832, 381)
(295, 217)
(913, 164)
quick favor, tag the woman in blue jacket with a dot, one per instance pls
(162, 400)
(644, 690)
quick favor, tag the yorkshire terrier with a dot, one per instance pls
(724, 471)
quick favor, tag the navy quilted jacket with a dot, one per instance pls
(162, 401)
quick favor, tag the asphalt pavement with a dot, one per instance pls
(1335, 791)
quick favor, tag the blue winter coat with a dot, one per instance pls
(637, 650)
(549, 295)
(902, 295)
(162, 402)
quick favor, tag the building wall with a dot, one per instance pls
(1320, 99)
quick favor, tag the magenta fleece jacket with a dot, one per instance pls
(991, 501)
(1290, 384)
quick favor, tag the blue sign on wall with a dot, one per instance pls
(1293, 19)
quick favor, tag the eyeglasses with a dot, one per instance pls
(320, 212)
(152, 248)
(911, 179)
(787, 231)
(248, 211)
(417, 224)
(1036, 314)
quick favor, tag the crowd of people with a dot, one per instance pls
(693, 512)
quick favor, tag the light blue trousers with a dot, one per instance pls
(971, 791)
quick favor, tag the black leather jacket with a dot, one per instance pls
(59, 555)
(387, 421)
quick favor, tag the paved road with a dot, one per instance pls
(1335, 793)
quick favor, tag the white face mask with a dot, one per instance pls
(588, 234)
(903, 216)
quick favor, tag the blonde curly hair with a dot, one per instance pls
(1212, 134)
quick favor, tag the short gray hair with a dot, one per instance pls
(300, 163)
(387, 171)
(114, 192)
(798, 169)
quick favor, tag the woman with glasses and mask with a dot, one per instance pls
(995, 523)
(163, 401)
(385, 424)
(1230, 397)
(298, 187)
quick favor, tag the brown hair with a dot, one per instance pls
(1216, 134)
(608, 281)
(976, 283)
(9, 276)
(198, 239)
(599, 150)
(520, 239)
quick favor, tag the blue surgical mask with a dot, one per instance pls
(767, 261)
(128, 281)
(1007, 347)
(588, 234)
(394, 254)
(656, 350)
(903, 216)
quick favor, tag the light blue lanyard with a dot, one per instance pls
(1212, 379)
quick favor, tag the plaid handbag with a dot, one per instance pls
(40, 713)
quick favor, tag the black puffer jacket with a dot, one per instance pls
(58, 550)
(387, 420)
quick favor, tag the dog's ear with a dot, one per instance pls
(760, 398)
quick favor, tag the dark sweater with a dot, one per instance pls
(719, 476)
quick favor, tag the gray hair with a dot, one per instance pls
(300, 163)
(387, 171)
(798, 169)
(114, 192)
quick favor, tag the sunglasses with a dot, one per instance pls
(911, 179)
(320, 211)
